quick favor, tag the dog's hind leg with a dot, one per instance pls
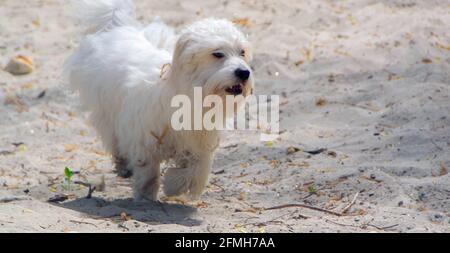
(121, 164)
(146, 181)
(121, 167)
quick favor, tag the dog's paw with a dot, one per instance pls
(175, 182)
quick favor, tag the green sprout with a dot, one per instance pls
(68, 173)
(312, 189)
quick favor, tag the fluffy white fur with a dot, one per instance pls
(117, 71)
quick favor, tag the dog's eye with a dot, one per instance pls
(218, 55)
(243, 53)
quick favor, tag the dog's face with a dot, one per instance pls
(214, 55)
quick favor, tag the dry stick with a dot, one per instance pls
(123, 226)
(83, 222)
(249, 218)
(437, 146)
(106, 218)
(303, 216)
(263, 223)
(362, 226)
(12, 198)
(382, 228)
(219, 186)
(91, 187)
(350, 204)
(304, 206)
(341, 224)
(309, 195)
(342, 213)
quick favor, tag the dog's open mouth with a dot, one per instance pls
(235, 89)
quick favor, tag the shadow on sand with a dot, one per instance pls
(153, 213)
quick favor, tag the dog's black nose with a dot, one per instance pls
(242, 74)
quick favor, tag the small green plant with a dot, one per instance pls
(312, 189)
(68, 173)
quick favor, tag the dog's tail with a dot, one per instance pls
(103, 15)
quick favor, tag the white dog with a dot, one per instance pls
(127, 74)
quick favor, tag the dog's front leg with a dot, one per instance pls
(146, 181)
(201, 169)
(190, 177)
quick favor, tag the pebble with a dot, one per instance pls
(292, 150)
(20, 65)
(436, 217)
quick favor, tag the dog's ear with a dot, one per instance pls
(181, 45)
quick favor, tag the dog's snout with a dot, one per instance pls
(242, 74)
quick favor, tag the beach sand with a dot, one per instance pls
(369, 81)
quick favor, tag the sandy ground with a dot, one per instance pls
(367, 80)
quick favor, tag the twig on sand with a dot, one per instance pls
(383, 228)
(350, 204)
(12, 198)
(316, 151)
(41, 94)
(304, 206)
(91, 188)
(425, 79)
(301, 216)
(6, 152)
(123, 226)
(217, 185)
(249, 218)
(437, 146)
(83, 222)
(58, 198)
(264, 223)
(230, 146)
(218, 172)
(341, 224)
(362, 226)
(342, 213)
